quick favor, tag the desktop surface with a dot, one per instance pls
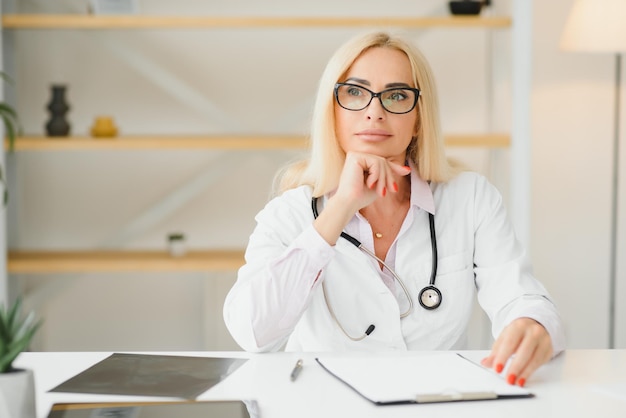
(577, 383)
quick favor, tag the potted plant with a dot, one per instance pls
(17, 386)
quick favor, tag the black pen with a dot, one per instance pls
(296, 370)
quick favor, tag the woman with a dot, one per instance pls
(377, 171)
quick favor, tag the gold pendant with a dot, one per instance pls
(378, 235)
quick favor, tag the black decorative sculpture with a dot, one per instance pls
(58, 107)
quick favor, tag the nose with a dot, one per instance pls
(375, 109)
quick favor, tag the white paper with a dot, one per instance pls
(403, 378)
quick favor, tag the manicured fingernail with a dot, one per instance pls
(407, 168)
(521, 382)
(384, 192)
(499, 367)
(395, 186)
(511, 379)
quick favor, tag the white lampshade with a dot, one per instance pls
(596, 26)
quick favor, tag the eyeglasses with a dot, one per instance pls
(395, 100)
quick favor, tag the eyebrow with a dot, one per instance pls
(367, 83)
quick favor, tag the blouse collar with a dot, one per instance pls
(421, 194)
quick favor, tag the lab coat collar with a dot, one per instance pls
(421, 194)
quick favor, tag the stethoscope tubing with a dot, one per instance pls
(428, 290)
(429, 296)
(433, 244)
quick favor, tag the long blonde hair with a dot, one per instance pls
(322, 169)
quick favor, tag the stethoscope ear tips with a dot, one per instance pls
(430, 297)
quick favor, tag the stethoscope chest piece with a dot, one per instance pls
(430, 297)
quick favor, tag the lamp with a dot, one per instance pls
(600, 26)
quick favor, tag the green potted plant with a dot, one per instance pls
(17, 387)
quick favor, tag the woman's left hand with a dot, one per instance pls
(529, 345)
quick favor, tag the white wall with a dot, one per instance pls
(572, 130)
(192, 81)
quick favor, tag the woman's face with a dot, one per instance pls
(374, 130)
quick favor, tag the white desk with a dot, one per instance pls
(578, 383)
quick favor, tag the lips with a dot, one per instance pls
(373, 134)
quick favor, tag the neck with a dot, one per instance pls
(388, 205)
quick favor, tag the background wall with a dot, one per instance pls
(263, 81)
(572, 133)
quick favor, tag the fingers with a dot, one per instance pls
(366, 173)
(382, 176)
(534, 350)
(364, 178)
(399, 169)
(375, 175)
(527, 344)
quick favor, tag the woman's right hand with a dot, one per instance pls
(364, 178)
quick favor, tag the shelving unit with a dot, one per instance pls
(39, 262)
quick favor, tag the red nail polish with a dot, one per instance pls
(521, 382)
(384, 191)
(511, 379)
(395, 186)
(499, 367)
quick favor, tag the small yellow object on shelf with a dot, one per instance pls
(104, 127)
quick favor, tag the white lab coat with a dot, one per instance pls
(278, 297)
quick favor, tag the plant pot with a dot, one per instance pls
(176, 244)
(17, 394)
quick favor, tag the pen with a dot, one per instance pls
(296, 370)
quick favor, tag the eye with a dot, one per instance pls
(398, 95)
(354, 91)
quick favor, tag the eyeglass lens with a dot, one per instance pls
(396, 100)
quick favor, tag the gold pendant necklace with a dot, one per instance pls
(378, 235)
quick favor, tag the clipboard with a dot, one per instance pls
(422, 378)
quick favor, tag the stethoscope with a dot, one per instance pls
(429, 296)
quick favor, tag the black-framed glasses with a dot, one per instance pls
(394, 100)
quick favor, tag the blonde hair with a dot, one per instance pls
(322, 169)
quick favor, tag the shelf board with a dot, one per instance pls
(43, 143)
(478, 140)
(77, 21)
(147, 142)
(37, 262)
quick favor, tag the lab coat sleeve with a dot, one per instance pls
(283, 262)
(507, 289)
